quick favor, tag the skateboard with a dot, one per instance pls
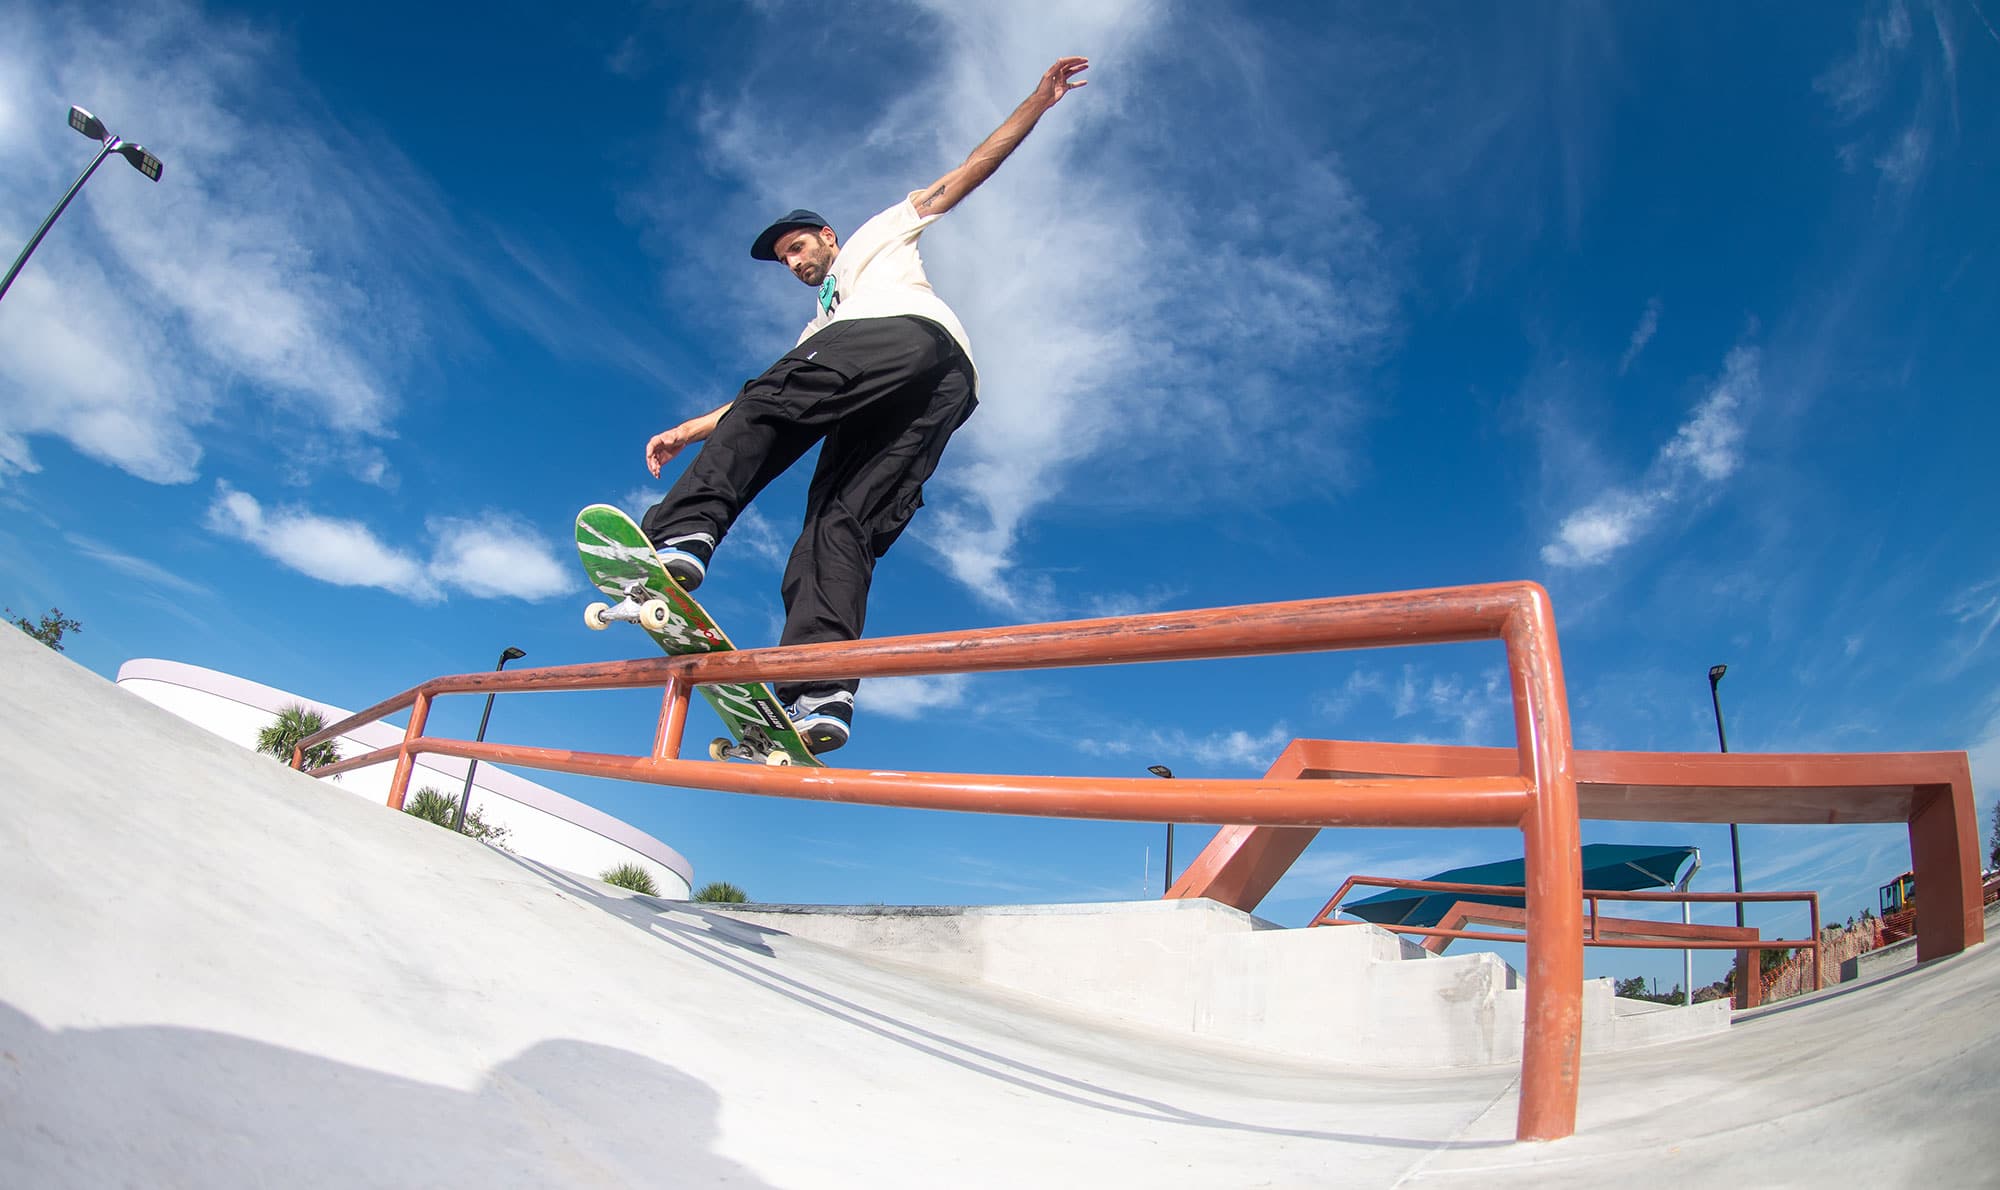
(622, 564)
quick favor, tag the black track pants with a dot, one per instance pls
(886, 394)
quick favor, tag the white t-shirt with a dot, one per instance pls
(879, 274)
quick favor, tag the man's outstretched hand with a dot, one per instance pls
(1056, 82)
(663, 446)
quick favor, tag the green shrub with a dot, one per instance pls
(435, 806)
(631, 876)
(50, 630)
(432, 805)
(721, 891)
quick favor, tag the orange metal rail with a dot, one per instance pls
(1929, 792)
(1591, 935)
(1540, 801)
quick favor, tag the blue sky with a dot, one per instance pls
(1685, 312)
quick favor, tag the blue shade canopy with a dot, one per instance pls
(1621, 867)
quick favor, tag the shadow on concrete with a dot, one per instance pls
(140, 1106)
(716, 938)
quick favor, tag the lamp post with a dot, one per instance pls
(1715, 673)
(471, 766)
(1747, 968)
(1167, 877)
(93, 128)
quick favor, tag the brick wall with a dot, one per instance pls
(1837, 944)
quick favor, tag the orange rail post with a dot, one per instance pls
(673, 719)
(1552, 1038)
(406, 756)
(1944, 855)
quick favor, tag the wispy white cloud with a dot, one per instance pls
(1234, 748)
(1130, 603)
(342, 552)
(1453, 707)
(1360, 684)
(489, 557)
(1977, 607)
(1649, 322)
(1705, 450)
(1068, 266)
(243, 265)
(1981, 14)
(151, 574)
(636, 502)
(912, 698)
(755, 533)
(1903, 163)
(278, 260)
(496, 555)
(1889, 63)
(1854, 85)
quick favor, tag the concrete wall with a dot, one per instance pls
(1353, 994)
(543, 825)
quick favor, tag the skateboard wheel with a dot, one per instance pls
(778, 760)
(655, 614)
(597, 617)
(718, 749)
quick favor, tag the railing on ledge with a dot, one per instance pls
(1540, 802)
(1631, 934)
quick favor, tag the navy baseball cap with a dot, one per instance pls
(763, 248)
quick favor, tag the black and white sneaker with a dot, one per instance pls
(822, 720)
(686, 558)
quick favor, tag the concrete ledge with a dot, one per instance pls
(1352, 994)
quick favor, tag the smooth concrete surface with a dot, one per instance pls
(215, 972)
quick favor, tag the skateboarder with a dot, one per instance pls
(882, 373)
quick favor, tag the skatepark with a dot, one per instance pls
(221, 972)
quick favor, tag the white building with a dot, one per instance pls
(543, 825)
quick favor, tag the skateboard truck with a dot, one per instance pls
(647, 613)
(724, 748)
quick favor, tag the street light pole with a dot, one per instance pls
(1167, 877)
(1715, 673)
(92, 127)
(471, 766)
(1747, 967)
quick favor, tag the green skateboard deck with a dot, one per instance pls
(622, 564)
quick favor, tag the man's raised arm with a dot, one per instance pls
(944, 194)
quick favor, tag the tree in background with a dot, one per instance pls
(1993, 844)
(631, 876)
(295, 723)
(1635, 989)
(438, 807)
(722, 891)
(50, 630)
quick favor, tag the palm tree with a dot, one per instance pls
(721, 890)
(432, 805)
(293, 724)
(631, 876)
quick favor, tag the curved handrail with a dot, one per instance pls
(1541, 800)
